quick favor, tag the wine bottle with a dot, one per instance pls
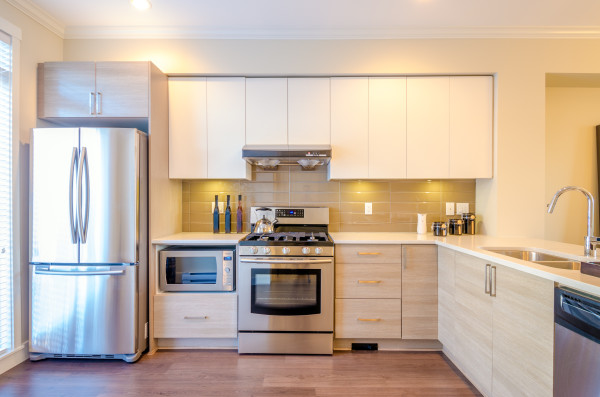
(228, 217)
(216, 215)
(238, 220)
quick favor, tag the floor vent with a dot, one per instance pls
(364, 346)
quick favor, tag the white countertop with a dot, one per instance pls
(468, 244)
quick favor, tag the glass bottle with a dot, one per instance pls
(228, 216)
(216, 215)
(238, 221)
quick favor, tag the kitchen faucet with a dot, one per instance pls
(591, 242)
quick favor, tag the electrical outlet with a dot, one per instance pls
(462, 208)
(368, 208)
(221, 207)
(449, 208)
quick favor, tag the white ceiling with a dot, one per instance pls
(318, 18)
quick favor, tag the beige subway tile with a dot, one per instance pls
(185, 218)
(200, 227)
(406, 197)
(268, 198)
(369, 197)
(215, 185)
(201, 207)
(185, 227)
(458, 185)
(185, 207)
(313, 197)
(375, 227)
(334, 227)
(364, 186)
(185, 186)
(458, 197)
(202, 217)
(349, 217)
(318, 175)
(185, 197)
(264, 187)
(404, 208)
(433, 185)
(333, 187)
(360, 207)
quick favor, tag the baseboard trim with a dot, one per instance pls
(14, 358)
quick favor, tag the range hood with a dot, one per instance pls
(271, 156)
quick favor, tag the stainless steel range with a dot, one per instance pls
(285, 283)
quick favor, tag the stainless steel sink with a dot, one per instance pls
(541, 258)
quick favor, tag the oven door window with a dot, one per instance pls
(286, 292)
(191, 270)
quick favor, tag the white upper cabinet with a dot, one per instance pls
(349, 128)
(225, 98)
(266, 111)
(309, 113)
(471, 120)
(206, 128)
(188, 140)
(387, 127)
(89, 90)
(427, 127)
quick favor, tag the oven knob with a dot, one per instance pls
(285, 250)
(227, 270)
(318, 250)
(306, 250)
(254, 250)
(267, 250)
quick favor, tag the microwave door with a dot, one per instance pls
(53, 216)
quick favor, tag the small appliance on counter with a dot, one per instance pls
(286, 282)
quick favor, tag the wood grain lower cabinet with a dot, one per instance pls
(368, 318)
(419, 292)
(202, 315)
(497, 325)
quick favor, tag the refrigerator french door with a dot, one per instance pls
(88, 259)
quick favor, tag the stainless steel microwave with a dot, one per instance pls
(184, 268)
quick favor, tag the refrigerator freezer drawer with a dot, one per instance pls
(83, 310)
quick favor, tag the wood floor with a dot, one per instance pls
(225, 373)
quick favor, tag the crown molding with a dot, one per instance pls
(40, 16)
(533, 32)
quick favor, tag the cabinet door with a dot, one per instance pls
(419, 292)
(523, 334)
(65, 89)
(309, 111)
(473, 326)
(226, 129)
(122, 89)
(187, 128)
(368, 280)
(368, 318)
(387, 127)
(427, 127)
(471, 119)
(446, 330)
(266, 111)
(349, 128)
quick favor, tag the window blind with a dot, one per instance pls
(6, 304)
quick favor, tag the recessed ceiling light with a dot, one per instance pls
(141, 4)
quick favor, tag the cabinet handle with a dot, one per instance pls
(369, 253)
(99, 103)
(487, 285)
(195, 317)
(493, 277)
(369, 281)
(372, 320)
(92, 102)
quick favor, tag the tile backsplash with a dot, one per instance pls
(395, 202)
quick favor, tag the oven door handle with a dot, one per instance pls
(287, 262)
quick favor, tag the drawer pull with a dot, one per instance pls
(369, 253)
(369, 281)
(195, 317)
(372, 320)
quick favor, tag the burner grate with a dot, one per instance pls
(288, 237)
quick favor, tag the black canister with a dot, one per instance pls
(455, 227)
(468, 226)
(439, 229)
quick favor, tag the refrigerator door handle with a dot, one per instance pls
(78, 273)
(72, 220)
(83, 225)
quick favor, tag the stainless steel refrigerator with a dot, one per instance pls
(88, 243)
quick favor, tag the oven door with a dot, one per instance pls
(286, 294)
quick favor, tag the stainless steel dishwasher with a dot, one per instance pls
(576, 343)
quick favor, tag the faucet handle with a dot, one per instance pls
(594, 245)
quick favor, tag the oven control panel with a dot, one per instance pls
(289, 213)
(276, 250)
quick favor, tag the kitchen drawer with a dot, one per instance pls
(368, 318)
(368, 253)
(376, 280)
(191, 315)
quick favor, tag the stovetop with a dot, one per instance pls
(287, 237)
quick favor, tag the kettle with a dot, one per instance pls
(264, 225)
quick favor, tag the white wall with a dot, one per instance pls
(511, 204)
(572, 115)
(37, 45)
